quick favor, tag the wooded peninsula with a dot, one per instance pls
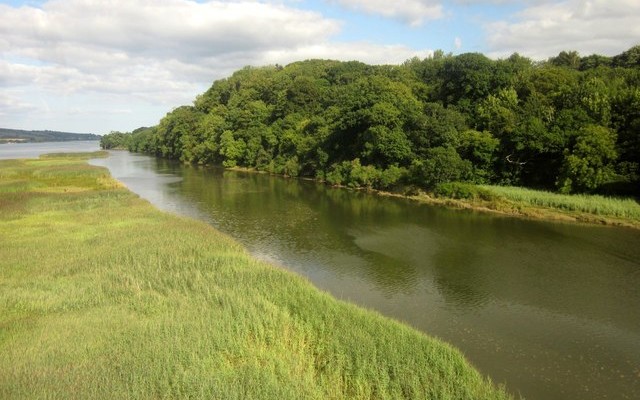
(445, 124)
(23, 136)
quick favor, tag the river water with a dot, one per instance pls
(34, 150)
(551, 310)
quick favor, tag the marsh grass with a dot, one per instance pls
(626, 208)
(103, 296)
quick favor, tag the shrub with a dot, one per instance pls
(442, 164)
(460, 190)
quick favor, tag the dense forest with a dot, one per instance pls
(18, 135)
(569, 124)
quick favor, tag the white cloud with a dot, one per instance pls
(412, 12)
(362, 51)
(95, 37)
(156, 54)
(12, 104)
(457, 42)
(605, 27)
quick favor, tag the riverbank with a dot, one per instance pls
(104, 296)
(536, 204)
(519, 202)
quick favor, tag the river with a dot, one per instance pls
(552, 310)
(33, 150)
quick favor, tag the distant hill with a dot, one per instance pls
(20, 136)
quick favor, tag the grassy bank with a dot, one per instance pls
(518, 202)
(537, 204)
(103, 296)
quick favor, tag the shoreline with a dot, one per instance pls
(522, 210)
(500, 207)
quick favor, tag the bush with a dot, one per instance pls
(442, 164)
(392, 176)
(353, 174)
(460, 190)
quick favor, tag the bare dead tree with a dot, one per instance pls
(517, 162)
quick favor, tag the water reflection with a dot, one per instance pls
(550, 309)
(460, 282)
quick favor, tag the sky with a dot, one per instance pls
(95, 66)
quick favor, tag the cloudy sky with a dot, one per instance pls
(102, 65)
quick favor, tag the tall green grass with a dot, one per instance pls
(591, 204)
(102, 296)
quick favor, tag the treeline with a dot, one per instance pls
(570, 123)
(19, 135)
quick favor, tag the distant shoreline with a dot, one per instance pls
(13, 140)
(39, 136)
(23, 140)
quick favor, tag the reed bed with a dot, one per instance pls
(626, 208)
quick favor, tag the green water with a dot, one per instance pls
(552, 310)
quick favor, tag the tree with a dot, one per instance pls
(569, 59)
(385, 146)
(628, 59)
(177, 129)
(626, 120)
(479, 148)
(590, 163)
(465, 79)
(114, 140)
(231, 149)
(442, 164)
(499, 113)
(437, 127)
(594, 98)
(594, 61)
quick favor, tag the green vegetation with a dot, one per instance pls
(570, 124)
(20, 136)
(539, 204)
(102, 296)
(591, 204)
